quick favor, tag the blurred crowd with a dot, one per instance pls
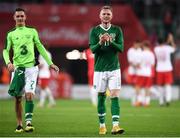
(164, 18)
(4, 74)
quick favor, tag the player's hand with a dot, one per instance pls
(105, 38)
(101, 40)
(110, 38)
(138, 66)
(54, 67)
(40, 66)
(10, 67)
(170, 40)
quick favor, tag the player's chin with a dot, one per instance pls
(106, 21)
(20, 22)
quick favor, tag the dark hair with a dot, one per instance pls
(20, 9)
(137, 41)
(161, 40)
(107, 7)
(146, 43)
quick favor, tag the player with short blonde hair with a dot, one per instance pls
(106, 41)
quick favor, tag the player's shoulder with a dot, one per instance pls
(95, 29)
(130, 49)
(164, 46)
(30, 27)
(167, 46)
(11, 30)
(157, 47)
(115, 27)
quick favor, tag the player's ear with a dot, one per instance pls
(25, 16)
(14, 16)
(111, 14)
(100, 14)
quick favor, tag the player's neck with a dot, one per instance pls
(20, 25)
(106, 25)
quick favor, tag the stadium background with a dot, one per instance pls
(63, 26)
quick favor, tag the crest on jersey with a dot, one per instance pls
(28, 36)
(113, 35)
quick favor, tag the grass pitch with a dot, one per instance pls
(78, 118)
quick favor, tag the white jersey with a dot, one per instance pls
(147, 61)
(163, 56)
(44, 71)
(133, 56)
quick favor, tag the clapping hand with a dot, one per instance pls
(105, 38)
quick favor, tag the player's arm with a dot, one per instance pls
(170, 40)
(6, 50)
(43, 51)
(129, 56)
(153, 59)
(118, 43)
(94, 42)
(41, 48)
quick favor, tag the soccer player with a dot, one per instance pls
(44, 77)
(164, 69)
(144, 73)
(89, 56)
(105, 41)
(133, 56)
(23, 40)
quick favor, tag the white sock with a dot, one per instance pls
(102, 125)
(50, 96)
(168, 94)
(28, 122)
(140, 97)
(134, 98)
(147, 100)
(93, 95)
(116, 123)
(154, 91)
(42, 97)
(161, 95)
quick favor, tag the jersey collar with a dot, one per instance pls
(20, 27)
(106, 29)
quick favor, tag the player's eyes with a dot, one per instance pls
(106, 14)
(19, 16)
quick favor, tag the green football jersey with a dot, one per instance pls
(106, 55)
(23, 41)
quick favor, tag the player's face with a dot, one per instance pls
(20, 18)
(105, 15)
(137, 45)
